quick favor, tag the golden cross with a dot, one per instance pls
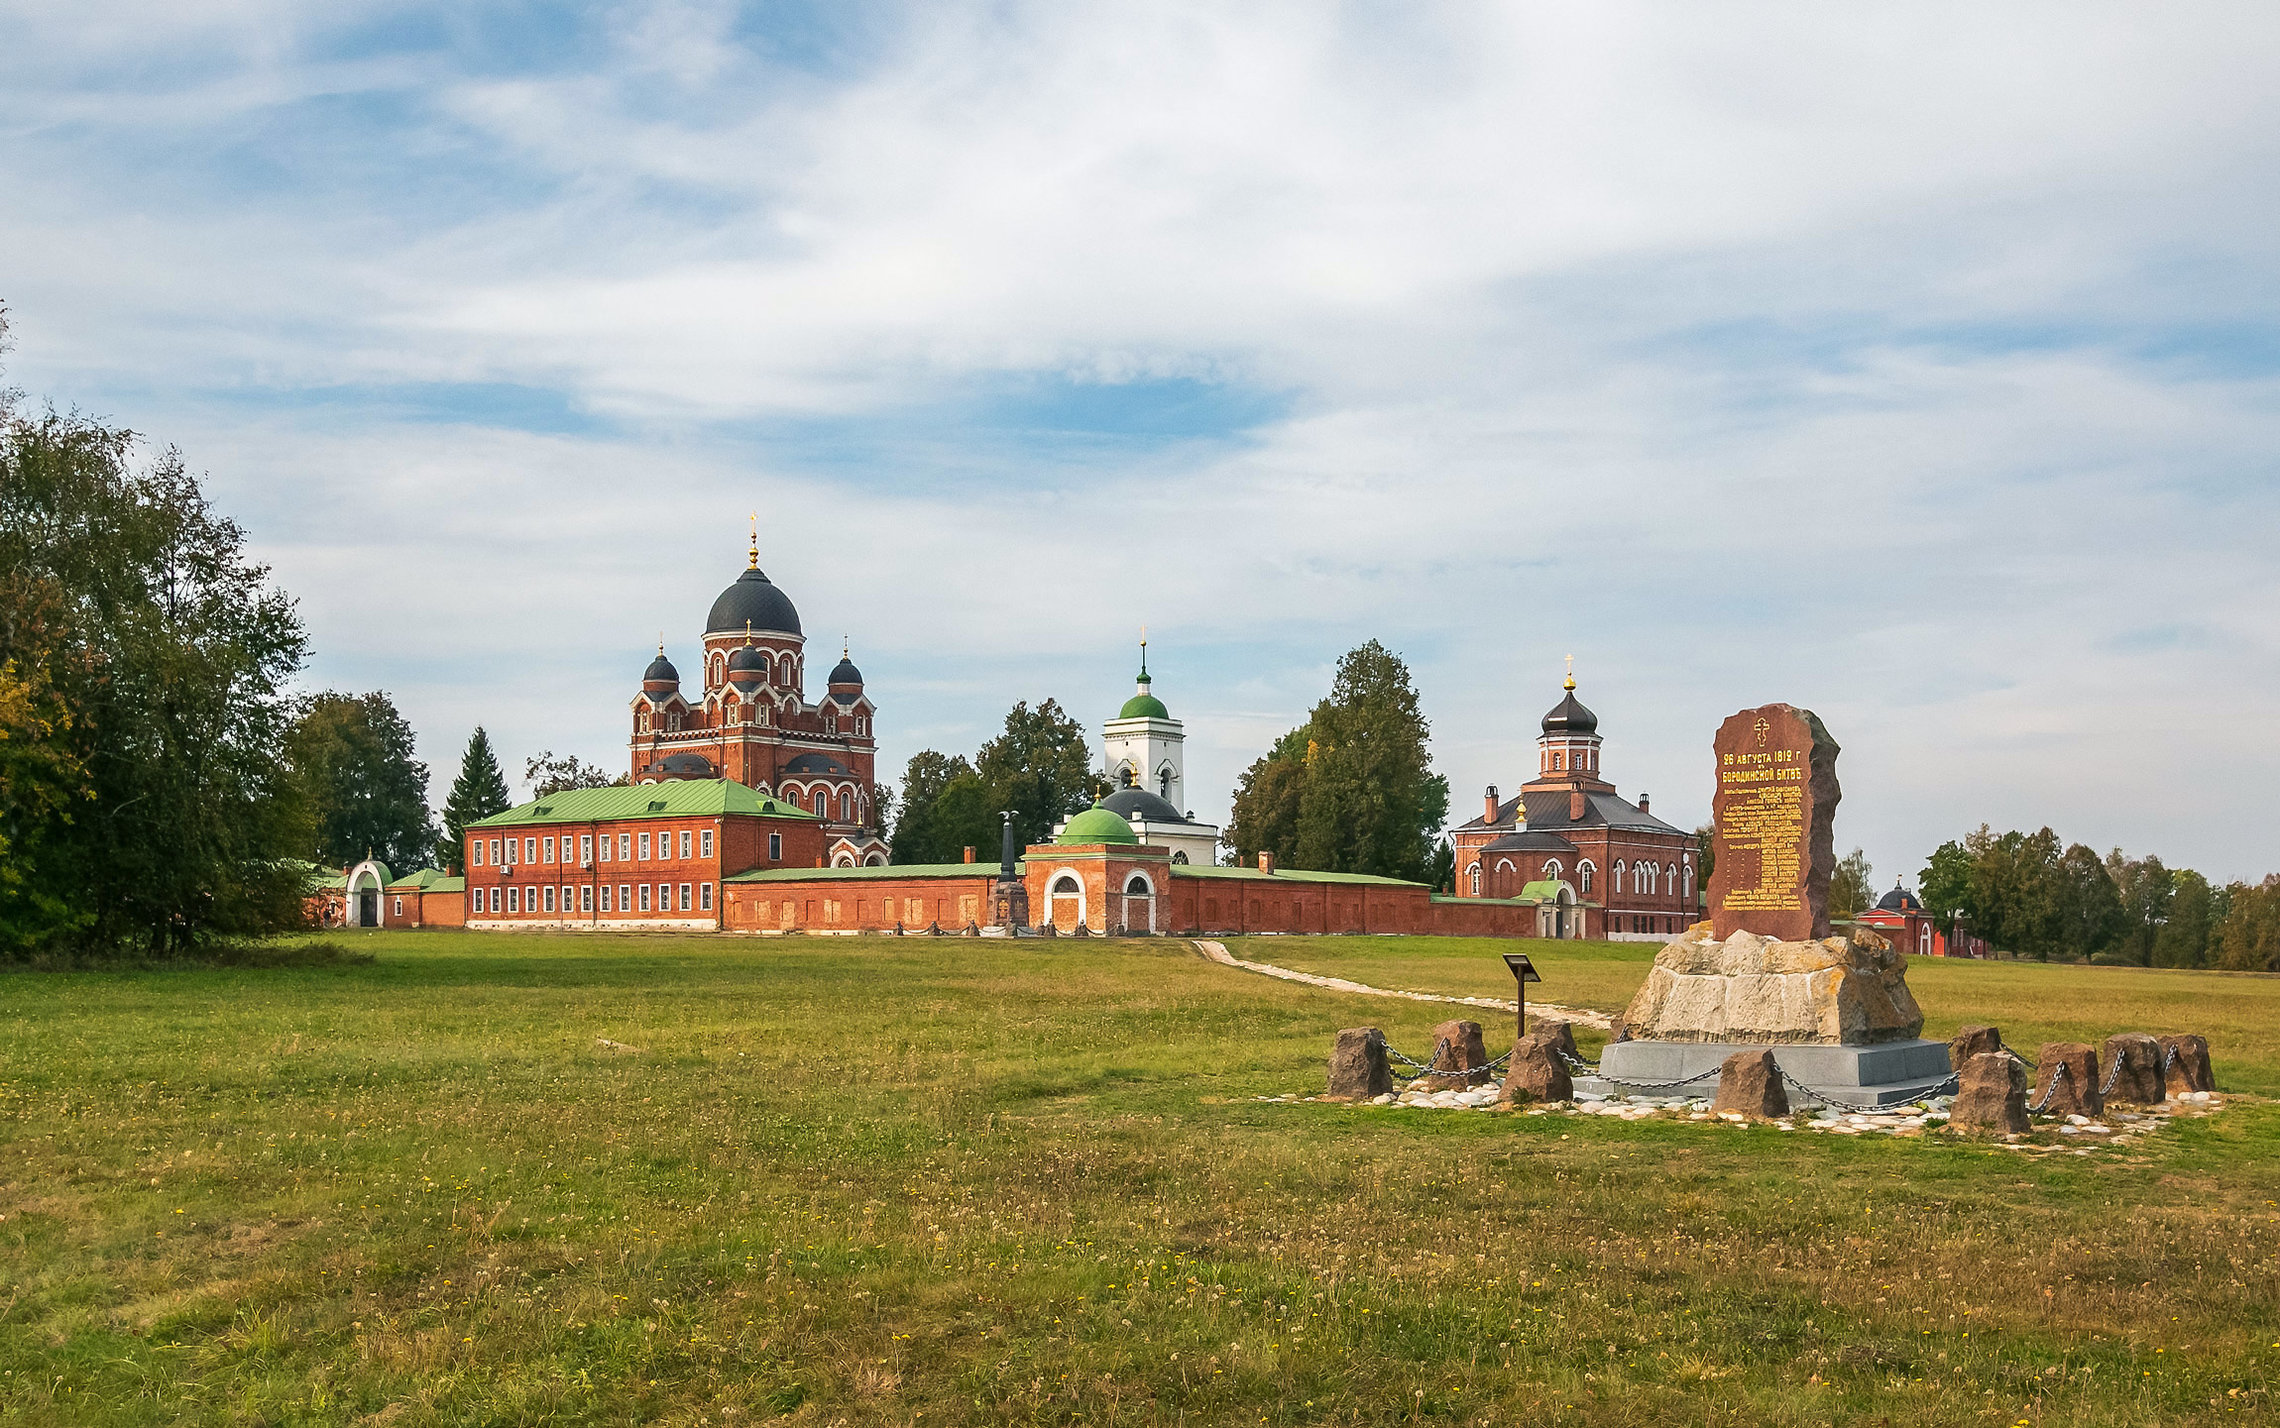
(755, 540)
(1571, 672)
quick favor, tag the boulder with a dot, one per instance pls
(1536, 1072)
(1750, 1082)
(2133, 1064)
(1993, 1094)
(1837, 991)
(2066, 1080)
(1359, 1066)
(1459, 1058)
(1559, 1034)
(2185, 1064)
(1969, 1041)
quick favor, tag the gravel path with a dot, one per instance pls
(1549, 1011)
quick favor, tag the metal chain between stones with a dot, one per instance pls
(2050, 1092)
(2112, 1076)
(1660, 1085)
(1576, 1063)
(1421, 1069)
(2032, 1068)
(1934, 1088)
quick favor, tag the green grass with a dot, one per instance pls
(962, 1181)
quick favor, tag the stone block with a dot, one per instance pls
(2132, 1062)
(1359, 1066)
(2066, 1080)
(1536, 1073)
(1559, 1034)
(1993, 1095)
(2185, 1064)
(1970, 1041)
(1750, 1082)
(1458, 1055)
(1837, 991)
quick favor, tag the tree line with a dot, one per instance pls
(1038, 768)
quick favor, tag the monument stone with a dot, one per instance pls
(1763, 973)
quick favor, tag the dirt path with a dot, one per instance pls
(1549, 1011)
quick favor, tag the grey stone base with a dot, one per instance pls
(1894, 1073)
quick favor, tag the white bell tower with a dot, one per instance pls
(1146, 742)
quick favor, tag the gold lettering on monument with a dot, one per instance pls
(1761, 819)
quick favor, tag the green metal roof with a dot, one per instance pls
(868, 874)
(427, 880)
(677, 798)
(1284, 875)
(1097, 825)
(1542, 890)
(1144, 706)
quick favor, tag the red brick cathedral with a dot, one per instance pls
(1566, 840)
(752, 723)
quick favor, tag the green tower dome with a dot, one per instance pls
(1097, 825)
(1144, 706)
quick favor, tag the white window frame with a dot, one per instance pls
(704, 897)
(706, 843)
(775, 847)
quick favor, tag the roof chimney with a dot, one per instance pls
(1642, 803)
(969, 852)
(1488, 814)
(1575, 806)
(1266, 862)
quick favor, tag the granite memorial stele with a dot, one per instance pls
(1764, 972)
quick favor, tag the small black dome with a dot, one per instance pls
(661, 671)
(845, 672)
(1570, 717)
(1899, 900)
(684, 766)
(754, 603)
(747, 658)
(1131, 803)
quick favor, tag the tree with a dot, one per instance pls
(2016, 891)
(924, 779)
(1442, 877)
(478, 792)
(2183, 939)
(2144, 888)
(2090, 907)
(1852, 888)
(1037, 766)
(148, 658)
(364, 793)
(966, 815)
(1944, 886)
(1705, 853)
(2248, 940)
(549, 774)
(1372, 803)
(1264, 818)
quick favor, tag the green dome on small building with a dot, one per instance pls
(1144, 706)
(1097, 825)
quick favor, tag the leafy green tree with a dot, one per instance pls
(478, 792)
(1443, 876)
(549, 773)
(153, 657)
(364, 793)
(1039, 767)
(1353, 789)
(2016, 891)
(966, 816)
(2144, 888)
(2248, 939)
(2183, 939)
(1705, 853)
(925, 778)
(1851, 887)
(1944, 886)
(2090, 907)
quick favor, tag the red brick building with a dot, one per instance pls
(626, 857)
(1902, 921)
(1631, 874)
(749, 719)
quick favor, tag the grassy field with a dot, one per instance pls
(957, 1181)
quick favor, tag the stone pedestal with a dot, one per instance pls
(1892, 1074)
(1536, 1072)
(2066, 1080)
(1458, 1055)
(1749, 990)
(1359, 1066)
(1992, 1095)
(2185, 1064)
(2137, 1080)
(1749, 1084)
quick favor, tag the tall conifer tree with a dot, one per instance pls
(478, 792)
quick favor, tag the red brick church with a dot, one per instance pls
(1567, 837)
(750, 721)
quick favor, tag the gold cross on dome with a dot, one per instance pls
(755, 540)
(1570, 673)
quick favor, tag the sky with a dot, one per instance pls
(1915, 364)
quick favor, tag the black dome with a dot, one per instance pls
(1570, 717)
(1131, 803)
(845, 672)
(747, 658)
(1899, 900)
(684, 766)
(753, 602)
(661, 669)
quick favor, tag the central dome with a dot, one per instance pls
(1097, 825)
(753, 602)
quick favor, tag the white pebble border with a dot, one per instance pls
(1537, 1011)
(1913, 1119)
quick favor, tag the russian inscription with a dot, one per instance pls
(1773, 812)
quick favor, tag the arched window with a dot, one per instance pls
(784, 671)
(1066, 886)
(1552, 869)
(846, 807)
(1583, 872)
(1138, 887)
(641, 722)
(1618, 870)
(1476, 880)
(822, 803)
(1164, 783)
(1180, 858)
(1559, 761)
(1646, 873)
(1670, 877)
(1687, 882)
(719, 668)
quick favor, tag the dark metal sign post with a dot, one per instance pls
(1523, 972)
